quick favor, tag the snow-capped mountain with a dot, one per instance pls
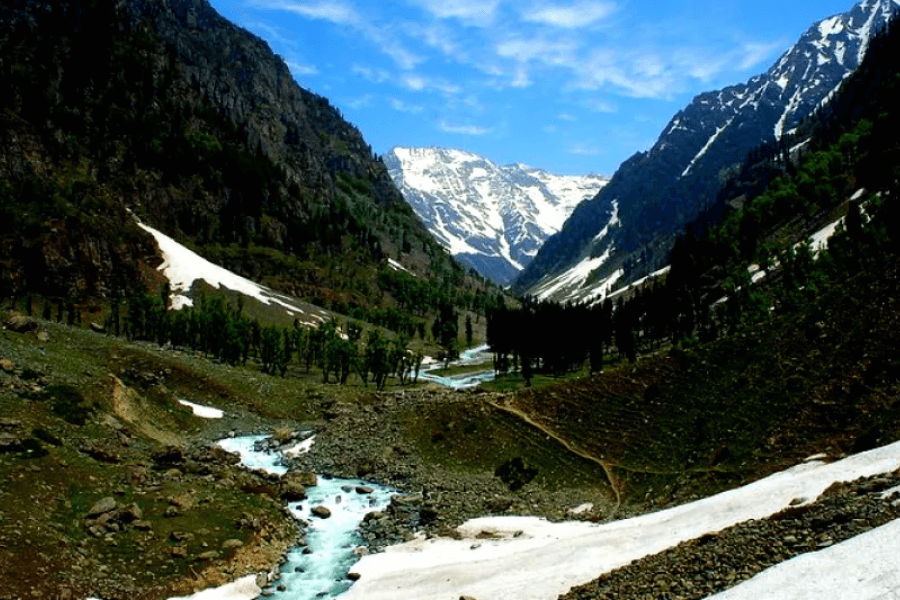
(625, 232)
(492, 218)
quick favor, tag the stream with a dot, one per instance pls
(319, 572)
(480, 355)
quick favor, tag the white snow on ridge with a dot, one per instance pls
(182, 267)
(545, 560)
(475, 207)
(705, 149)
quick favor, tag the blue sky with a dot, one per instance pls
(572, 86)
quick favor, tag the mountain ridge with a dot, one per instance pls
(491, 217)
(660, 191)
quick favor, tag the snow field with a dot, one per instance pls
(532, 559)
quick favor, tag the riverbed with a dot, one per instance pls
(320, 569)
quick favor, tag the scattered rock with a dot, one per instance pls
(43, 336)
(352, 576)
(364, 489)
(209, 555)
(321, 512)
(21, 324)
(178, 552)
(7, 365)
(232, 543)
(102, 506)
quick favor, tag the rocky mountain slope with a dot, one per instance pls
(492, 218)
(164, 109)
(626, 231)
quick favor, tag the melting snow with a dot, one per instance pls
(244, 588)
(709, 144)
(182, 267)
(547, 559)
(861, 568)
(204, 412)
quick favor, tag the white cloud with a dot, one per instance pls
(601, 106)
(360, 102)
(341, 12)
(421, 83)
(298, 70)
(335, 11)
(473, 130)
(576, 16)
(370, 74)
(584, 149)
(477, 13)
(401, 106)
(756, 53)
(566, 117)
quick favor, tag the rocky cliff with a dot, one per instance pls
(164, 109)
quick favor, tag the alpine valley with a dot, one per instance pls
(492, 218)
(205, 269)
(627, 230)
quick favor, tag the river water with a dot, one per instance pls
(319, 573)
(480, 355)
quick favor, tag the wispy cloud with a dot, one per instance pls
(344, 13)
(360, 102)
(473, 130)
(570, 16)
(299, 70)
(584, 149)
(477, 13)
(401, 106)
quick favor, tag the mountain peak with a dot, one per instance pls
(493, 218)
(657, 193)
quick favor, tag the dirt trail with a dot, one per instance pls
(605, 465)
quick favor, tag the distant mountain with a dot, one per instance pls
(164, 110)
(626, 231)
(492, 218)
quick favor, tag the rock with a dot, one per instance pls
(10, 443)
(132, 513)
(281, 587)
(364, 489)
(97, 328)
(209, 555)
(353, 576)
(291, 487)
(178, 552)
(466, 598)
(21, 324)
(7, 365)
(232, 543)
(262, 580)
(43, 336)
(143, 525)
(102, 506)
(321, 512)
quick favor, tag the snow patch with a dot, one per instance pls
(182, 267)
(300, 447)
(204, 412)
(244, 588)
(543, 560)
(861, 568)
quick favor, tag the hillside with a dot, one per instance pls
(164, 110)
(627, 230)
(490, 217)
